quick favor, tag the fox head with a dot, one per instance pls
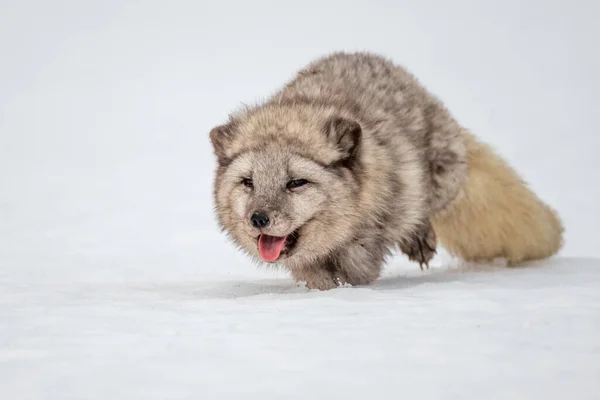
(287, 181)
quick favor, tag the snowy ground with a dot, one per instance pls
(450, 333)
(116, 284)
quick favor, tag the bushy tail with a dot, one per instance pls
(496, 215)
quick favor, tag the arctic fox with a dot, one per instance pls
(354, 158)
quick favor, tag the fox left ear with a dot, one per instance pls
(346, 134)
(220, 136)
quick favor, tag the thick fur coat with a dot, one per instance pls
(354, 158)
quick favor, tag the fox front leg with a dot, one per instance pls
(358, 263)
(421, 246)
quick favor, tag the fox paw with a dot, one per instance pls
(318, 277)
(422, 246)
(322, 282)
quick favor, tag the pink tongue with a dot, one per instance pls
(270, 247)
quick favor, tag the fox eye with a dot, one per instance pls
(296, 183)
(248, 182)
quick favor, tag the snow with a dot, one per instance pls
(450, 333)
(116, 283)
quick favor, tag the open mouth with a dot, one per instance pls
(273, 248)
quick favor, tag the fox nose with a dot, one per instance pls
(259, 220)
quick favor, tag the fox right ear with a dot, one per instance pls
(220, 136)
(346, 134)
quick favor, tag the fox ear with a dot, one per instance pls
(346, 134)
(220, 136)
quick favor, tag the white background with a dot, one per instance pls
(116, 283)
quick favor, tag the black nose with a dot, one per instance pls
(259, 220)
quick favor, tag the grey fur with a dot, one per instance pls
(382, 154)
